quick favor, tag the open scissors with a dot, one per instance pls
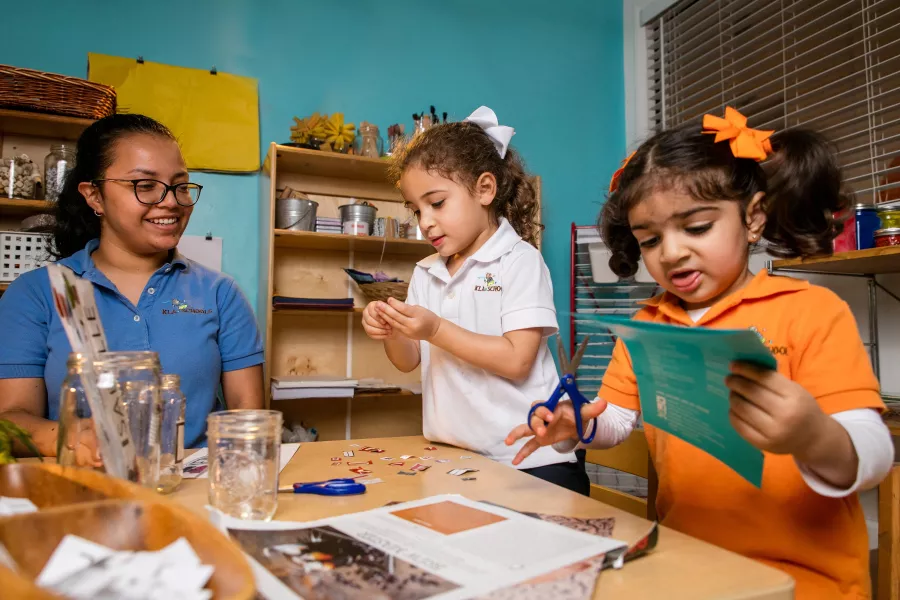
(567, 386)
(332, 487)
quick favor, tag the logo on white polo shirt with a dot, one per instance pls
(488, 283)
(180, 306)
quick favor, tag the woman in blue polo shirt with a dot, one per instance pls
(120, 216)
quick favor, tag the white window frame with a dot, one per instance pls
(634, 14)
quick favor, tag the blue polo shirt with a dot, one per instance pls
(195, 318)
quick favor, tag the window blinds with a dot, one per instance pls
(831, 65)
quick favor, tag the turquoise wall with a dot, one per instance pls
(552, 70)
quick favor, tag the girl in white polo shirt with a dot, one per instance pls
(478, 312)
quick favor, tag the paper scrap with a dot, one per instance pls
(354, 445)
(397, 464)
(371, 481)
(359, 462)
(442, 460)
(407, 457)
(431, 447)
(335, 458)
(465, 458)
(81, 569)
(420, 467)
(386, 458)
(427, 458)
(336, 464)
(16, 506)
(404, 473)
(458, 472)
(348, 453)
(468, 479)
(196, 466)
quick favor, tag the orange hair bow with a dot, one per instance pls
(744, 142)
(614, 180)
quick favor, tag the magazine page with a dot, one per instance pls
(445, 547)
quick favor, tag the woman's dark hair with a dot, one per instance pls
(76, 223)
(462, 152)
(801, 181)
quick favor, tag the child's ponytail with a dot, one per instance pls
(804, 194)
(517, 198)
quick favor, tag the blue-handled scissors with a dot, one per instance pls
(332, 487)
(567, 386)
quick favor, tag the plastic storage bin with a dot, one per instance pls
(21, 252)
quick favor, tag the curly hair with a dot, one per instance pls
(76, 223)
(801, 181)
(462, 152)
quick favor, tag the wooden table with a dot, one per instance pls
(680, 567)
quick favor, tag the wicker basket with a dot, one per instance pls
(55, 94)
(382, 291)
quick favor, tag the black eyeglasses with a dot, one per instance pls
(151, 191)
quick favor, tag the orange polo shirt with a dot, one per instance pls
(821, 542)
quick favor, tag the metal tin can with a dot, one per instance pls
(887, 237)
(867, 223)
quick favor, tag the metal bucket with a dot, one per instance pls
(358, 219)
(296, 214)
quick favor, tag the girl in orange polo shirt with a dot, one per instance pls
(690, 203)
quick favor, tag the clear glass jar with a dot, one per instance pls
(18, 176)
(244, 458)
(57, 164)
(135, 375)
(171, 435)
(371, 144)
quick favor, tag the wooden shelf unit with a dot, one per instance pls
(18, 206)
(309, 265)
(34, 124)
(875, 261)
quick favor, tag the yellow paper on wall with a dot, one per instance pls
(214, 117)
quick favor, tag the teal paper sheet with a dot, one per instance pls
(681, 381)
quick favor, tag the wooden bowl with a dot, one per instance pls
(130, 518)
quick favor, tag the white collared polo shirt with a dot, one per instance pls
(504, 286)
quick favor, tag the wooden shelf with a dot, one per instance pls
(308, 312)
(16, 206)
(310, 240)
(874, 261)
(331, 164)
(20, 122)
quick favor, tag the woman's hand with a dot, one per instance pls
(548, 428)
(374, 324)
(82, 442)
(415, 322)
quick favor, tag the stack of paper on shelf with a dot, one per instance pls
(288, 303)
(328, 225)
(295, 387)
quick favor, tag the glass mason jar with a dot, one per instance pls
(57, 164)
(171, 435)
(18, 175)
(136, 376)
(244, 459)
(371, 144)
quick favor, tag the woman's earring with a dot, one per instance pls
(98, 214)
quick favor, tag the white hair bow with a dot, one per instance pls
(485, 118)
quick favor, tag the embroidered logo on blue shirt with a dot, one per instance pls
(183, 307)
(489, 283)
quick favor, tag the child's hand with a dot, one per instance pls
(560, 426)
(374, 324)
(415, 322)
(772, 412)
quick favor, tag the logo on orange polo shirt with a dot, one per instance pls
(770, 344)
(184, 307)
